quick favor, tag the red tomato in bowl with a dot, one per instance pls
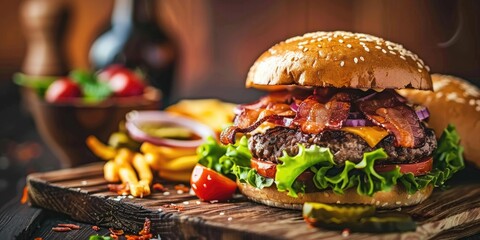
(62, 90)
(209, 185)
(125, 83)
(108, 72)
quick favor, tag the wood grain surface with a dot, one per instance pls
(82, 194)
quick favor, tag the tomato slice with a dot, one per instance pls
(209, 185)
(269, 169)
(418, 169)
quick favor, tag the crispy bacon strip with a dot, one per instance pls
(313, 116)
(228, 134)
(386, 110)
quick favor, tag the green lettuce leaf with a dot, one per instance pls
(250, 176)
(293, 166)
(222, 158)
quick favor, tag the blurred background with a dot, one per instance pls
(215, 43)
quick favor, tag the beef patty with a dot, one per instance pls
(343, 145)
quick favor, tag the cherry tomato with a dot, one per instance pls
(62, 90)
(419, 168)
(125, 83)
(108, 72)
(209, 185)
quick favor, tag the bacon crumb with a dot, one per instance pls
(146, 227)
(159, 187)
(117, 232)
(71, 226)
(61, 229)
(95, 228)
(120, 189)
(24, 198)
(114, 236)
(38, 238)
(182, 187)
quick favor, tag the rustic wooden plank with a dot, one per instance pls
(181, 215)
(18, 221)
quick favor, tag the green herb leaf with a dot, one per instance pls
(38, 83)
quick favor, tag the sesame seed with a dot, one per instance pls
(378, 47)
(300, 47)
(305, 49)
(419, 70)
(361, 58)
(340, 40)
(419, 65)
(320, 46)
(338, 201)
(221, 213)
(329, 39)
(342, 63)
(392, 52)
(229, 219)
(366, 49)
(349, 45)
(402, 57)
(384, 51)
(471, 102)
(355, 60)
(398, 202)
(427, 67)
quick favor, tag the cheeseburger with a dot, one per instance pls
(333, 128)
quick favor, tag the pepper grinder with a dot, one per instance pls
(44, 24)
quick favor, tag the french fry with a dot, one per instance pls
(154, 160)
(179, 176)
(110, 171)
(124, 157)
(127, 175)
(99, 149)
(142, 168)
(186, 163)
(140, 189)
(167, 152)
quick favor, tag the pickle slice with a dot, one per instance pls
(356, 218)
(336, 213)
(122, 140)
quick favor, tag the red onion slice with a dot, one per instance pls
(422, 112)
(136, 118)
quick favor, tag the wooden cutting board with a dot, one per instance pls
(82, 194)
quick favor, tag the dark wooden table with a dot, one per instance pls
(21, 221)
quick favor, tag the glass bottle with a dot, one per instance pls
(135, 40)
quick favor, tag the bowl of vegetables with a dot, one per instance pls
(68, 109)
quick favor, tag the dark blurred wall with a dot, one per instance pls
(221, 39)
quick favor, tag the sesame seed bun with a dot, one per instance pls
(396, 197)
(339, 59)
(454, 101)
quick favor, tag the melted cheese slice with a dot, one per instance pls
(371, 135)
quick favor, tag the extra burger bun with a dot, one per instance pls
(454, 101)
(339, 59)
(397, 197)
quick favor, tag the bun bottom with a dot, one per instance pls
(396, 197)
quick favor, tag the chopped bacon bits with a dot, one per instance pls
(146, 227)
(159, 187)
(120, 189)
(96, 228)
(24, 198)
(61, 229)
(181, 187)
(117, 232)
(71, 226)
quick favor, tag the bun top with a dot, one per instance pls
(339, 59)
